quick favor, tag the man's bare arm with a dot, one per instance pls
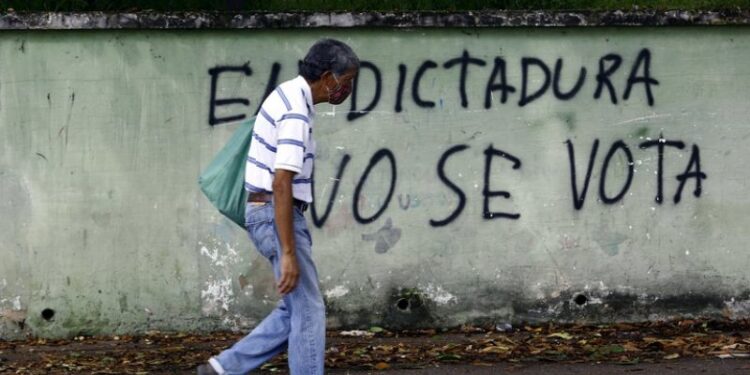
(283, 199)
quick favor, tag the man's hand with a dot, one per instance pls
(282, 200)
(289, 273)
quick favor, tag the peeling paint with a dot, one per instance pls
(17, 303)
(437, 294)
(337, 292)
(216, 296)
(737, 308)
(218, 293)
(218, 257)
(238, 322)
(14, 302)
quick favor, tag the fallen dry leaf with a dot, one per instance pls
(495, 349)
(382, 366)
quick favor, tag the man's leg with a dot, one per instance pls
(268, 339)
(298, 322)
(308, 321)
(271, 335)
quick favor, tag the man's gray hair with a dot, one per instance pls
(328, 55)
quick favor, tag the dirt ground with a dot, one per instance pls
(675, 347)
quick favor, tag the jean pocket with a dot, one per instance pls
(254, 214)
(263, 236)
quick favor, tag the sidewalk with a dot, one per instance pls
(679, 347)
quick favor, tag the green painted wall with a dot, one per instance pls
(103, 135)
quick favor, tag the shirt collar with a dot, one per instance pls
(307, 93)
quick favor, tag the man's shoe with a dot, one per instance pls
(206, 369)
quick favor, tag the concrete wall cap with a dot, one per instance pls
(11, 20)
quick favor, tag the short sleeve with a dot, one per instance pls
(293, 132)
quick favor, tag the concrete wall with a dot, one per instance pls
(477, 175)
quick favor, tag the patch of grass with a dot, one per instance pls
(363, 5)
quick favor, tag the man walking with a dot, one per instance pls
(278, 178)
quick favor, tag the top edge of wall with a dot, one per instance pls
(260, 20)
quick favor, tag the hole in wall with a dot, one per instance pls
(48, 314)
(580, 300)
(403, 304)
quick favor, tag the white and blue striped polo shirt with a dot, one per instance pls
(282, 139)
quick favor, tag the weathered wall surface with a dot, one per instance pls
(478, 175)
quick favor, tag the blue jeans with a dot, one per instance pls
(298, 321)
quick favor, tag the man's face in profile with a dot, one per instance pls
(339, 88)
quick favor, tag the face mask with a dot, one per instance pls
(339, 93)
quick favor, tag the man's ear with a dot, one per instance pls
(326, 77)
